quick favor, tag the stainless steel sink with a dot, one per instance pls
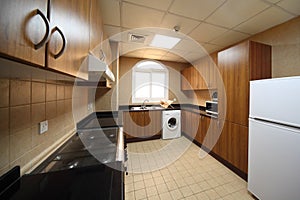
(146, 108)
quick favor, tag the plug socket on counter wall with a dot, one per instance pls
(43, 127)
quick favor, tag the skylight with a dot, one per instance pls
(163, 41)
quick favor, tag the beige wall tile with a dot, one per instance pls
(60, 123)
(4, 88)
(20, 92)
(52, 128)
(4, 170)
(60, 92)
(20, 143)
(51, 110)
(38, 92)
(4, 151)
(37, 138)
(23, 104)
(23, 160)
(38, 113)
(68, 91)
(50, 135)
(68, 105)
(60, 108)
(4, 122)
(50, 92)
(20, 118)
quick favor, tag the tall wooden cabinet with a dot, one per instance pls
(21, 26)
(239, 65)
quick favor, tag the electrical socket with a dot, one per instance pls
(43, 126)
(90, 107)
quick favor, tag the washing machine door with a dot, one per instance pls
(172, 123)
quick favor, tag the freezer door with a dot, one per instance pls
(274, 161)
(276, 100)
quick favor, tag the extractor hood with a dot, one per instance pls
(98, 67)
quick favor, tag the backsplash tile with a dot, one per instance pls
(60, 108)
(68, 92)
(4, 122)
(23, 104)
(4, 88)
(30, 95)
(50, 92)
(20, 118)
(51, 110)
(20, 143)
(38, 92)
(20, 92)
(4, 151)
(60, 92)
(38, 113)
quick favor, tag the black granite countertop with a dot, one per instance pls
(159, 108)
(98, 120)
(92, 183)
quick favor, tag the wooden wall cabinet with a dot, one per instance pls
(142, 124)
(186, 78)
(73, 19)
(201, 76)
(75, 25)
(21, 28)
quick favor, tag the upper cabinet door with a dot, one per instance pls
(21, 27)
(186, 78)
(69, 42)
(96, 28)
(234, 67)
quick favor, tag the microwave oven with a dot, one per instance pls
(212, 108)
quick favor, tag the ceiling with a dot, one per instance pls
(205, 25)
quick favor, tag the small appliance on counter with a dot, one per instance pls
(211, 108)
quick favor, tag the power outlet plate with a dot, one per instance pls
(90, 107)
(43, 126)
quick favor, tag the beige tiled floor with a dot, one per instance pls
(188, 177)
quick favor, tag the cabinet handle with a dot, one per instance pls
(47, 34)
(64, 42)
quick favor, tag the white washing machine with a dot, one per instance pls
(171, 122)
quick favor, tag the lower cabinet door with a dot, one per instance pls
(133, 123)
(152, 123)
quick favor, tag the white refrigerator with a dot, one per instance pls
(274, 139)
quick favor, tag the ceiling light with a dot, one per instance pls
(163, 41)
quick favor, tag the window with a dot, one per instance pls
(149, 81)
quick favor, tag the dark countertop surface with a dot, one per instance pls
(98, 120)
(89, 183)
(129, 107)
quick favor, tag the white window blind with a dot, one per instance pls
(149, 81)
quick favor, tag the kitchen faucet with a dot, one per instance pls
(143, 106)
